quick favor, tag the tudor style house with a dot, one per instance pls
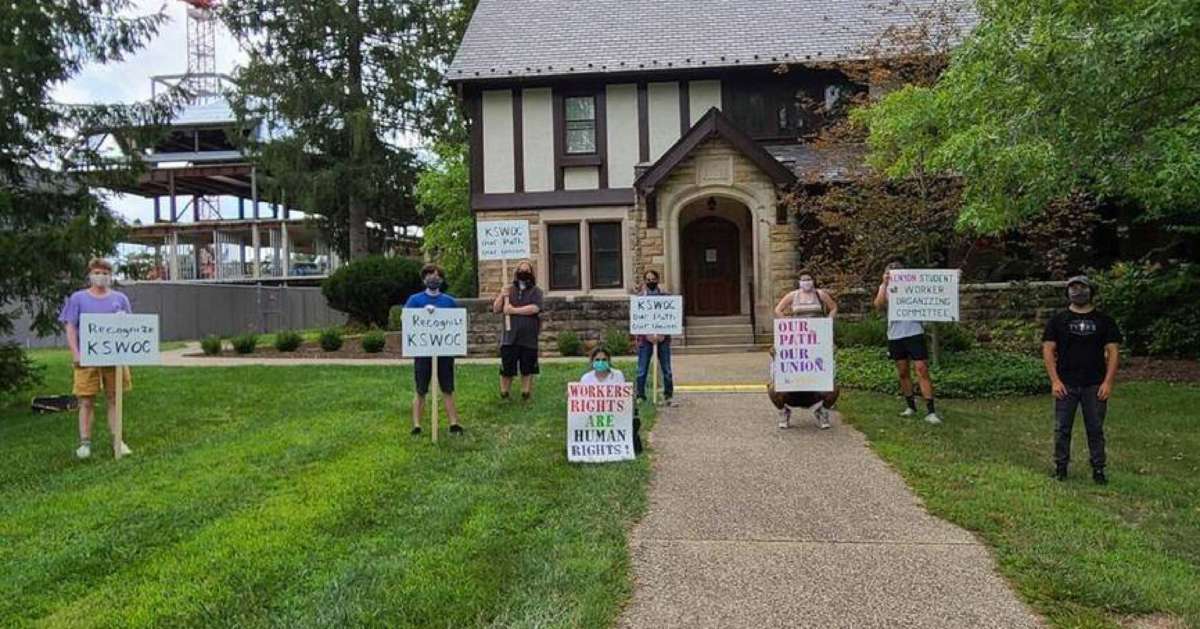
(658, 134)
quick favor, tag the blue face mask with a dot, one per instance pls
(600, 365)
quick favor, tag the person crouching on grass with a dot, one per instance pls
(97, 298)
(521, 303)
(430, 299)
(1081, 348)
(807, 301)
(603, 373)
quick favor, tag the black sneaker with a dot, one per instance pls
(1099, 477)
(524, 397)
(1060, 474)
(415, 431)
(504, 395)
(455, 429)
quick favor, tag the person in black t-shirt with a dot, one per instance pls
(1080, 349)
(521, 303)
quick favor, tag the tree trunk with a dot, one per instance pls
(357, 229)
(357, 215)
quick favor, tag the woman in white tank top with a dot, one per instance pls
(806, 301)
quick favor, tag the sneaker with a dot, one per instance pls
(933, 418)
(524, 397)
(1060, 474)
(907, 412)
(671, 402)
(455, 429)
(124, 449)
(503, 395)
(415, 431)
(1099, 477)
(785, 418)
(823, 418)
(84, 451)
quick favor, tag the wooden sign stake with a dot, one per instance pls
(507, 287)
(654, 368)
(119, 384)
(436, 387)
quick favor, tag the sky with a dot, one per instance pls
(129, 80)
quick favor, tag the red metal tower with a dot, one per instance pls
(202, 81)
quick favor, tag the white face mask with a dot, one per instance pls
(100, 280)
(805, 285)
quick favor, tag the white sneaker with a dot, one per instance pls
(907, 412)
(124, 449)
(933, 418)
(822, 418)
(84, 451)
(785, 418)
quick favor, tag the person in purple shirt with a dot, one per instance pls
(432, 297)
(98, 298)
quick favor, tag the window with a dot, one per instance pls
(564, 256)
(604, 249)
(786, 110)
(579, 118)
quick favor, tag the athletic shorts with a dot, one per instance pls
(908, 348)
(514, 358)
(802, 399)
(423, 372)
(89, 381)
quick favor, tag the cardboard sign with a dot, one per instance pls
(599, 422)
(118, 339)
(803, 355)
(923, 295)
(442, 332)
(656, 314)
(503, 240)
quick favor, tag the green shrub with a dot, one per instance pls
(330, 339)
(395, 321)
(952, 337)
(870, 332)
(245, 343)
(977, 373)
(18, 372)
(1016, 336)
(366, 289)
(569, 344)
(211, 345)
(374, 341)
(288, 341)
(618, 342)
(1154, 306)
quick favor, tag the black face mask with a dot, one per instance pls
(1080, 296)
(652, 284)
(433, 283)
(525, 277)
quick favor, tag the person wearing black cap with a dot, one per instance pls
(1080, 348)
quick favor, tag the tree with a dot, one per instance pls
(443, 199)
(344, 85)
(1046, 100)
(51, 222)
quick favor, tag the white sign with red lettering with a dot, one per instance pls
(923, 295)
(599, 422)
(803, 355)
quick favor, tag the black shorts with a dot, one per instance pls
(908, 348)
(423, 373)
(518, 357)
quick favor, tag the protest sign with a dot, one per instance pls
(437, 332)
(118, 340)
(599, 422)
(106, 340)
(656, 314)
(803, 355)
(503, 240)
(923, 295)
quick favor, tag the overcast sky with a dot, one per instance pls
(129, 80)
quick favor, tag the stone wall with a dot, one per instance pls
(588, 317)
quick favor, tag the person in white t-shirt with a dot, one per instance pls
(603, 373)
(906, 345)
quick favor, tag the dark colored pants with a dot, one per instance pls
(645, 352)
(1093, 420)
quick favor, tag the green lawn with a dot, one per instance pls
(294, 496)
(1083, 555)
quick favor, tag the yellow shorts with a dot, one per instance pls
(88, 380)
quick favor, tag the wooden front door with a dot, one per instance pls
(712, 268)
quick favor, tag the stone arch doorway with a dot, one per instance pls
(710, 252)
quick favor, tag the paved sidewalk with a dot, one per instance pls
(752, 526)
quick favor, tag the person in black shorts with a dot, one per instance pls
(906, 346)
(521, 303)
(432, 297)
(1081, 349)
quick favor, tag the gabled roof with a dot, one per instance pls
(713, 124)
(535, 38)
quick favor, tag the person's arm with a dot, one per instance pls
(881, 298)
(73, 341)
(781, 307)
(501, 300)
(1112, 357)
(528, 310)
(1050, 358)
(830, 305)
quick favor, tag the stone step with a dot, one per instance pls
(709, 330)
(709, 321)
(720, 349)
(696, 340)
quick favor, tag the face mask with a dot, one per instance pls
(805, 285)
(100, 280)
(600, 365)
(652, 284)
(433, 283)
(1079, 295)
(525, 276)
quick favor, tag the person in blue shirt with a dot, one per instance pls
(432, 297)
